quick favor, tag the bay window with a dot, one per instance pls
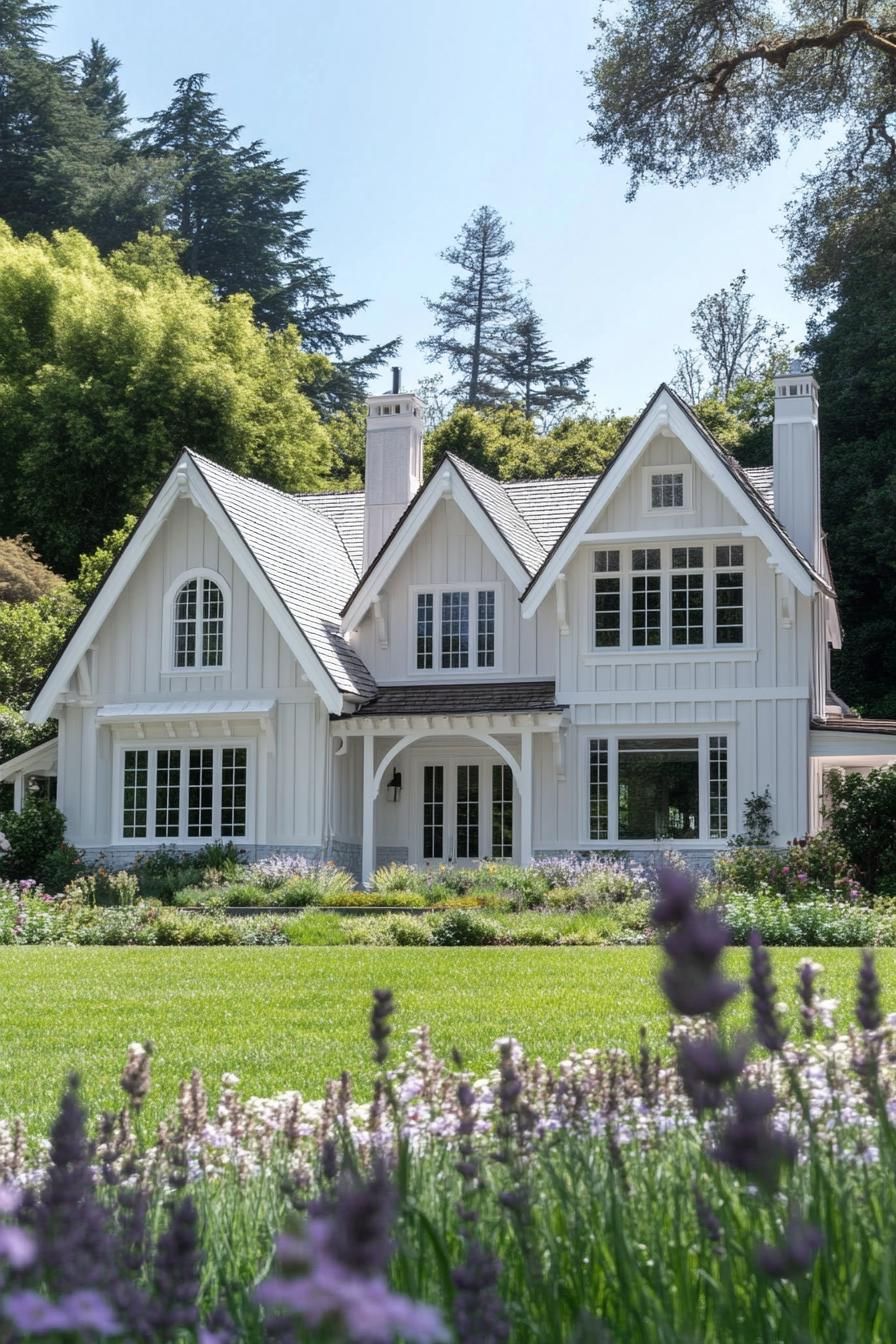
(184, 792)
(648, 789)
(456, 629)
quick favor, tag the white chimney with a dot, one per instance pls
(393, 467)
(796, 457)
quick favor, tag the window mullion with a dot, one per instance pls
(613, 788)
(703, 786)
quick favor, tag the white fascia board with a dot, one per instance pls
(447, 483)
(667, 414)
(44, 753)
(186, 480)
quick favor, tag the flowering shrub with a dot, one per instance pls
(860, 812)
(791, 923)
(613, 879)
(101, 887)
(35, 845)
(818, 864)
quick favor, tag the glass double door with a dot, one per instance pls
(466, 811)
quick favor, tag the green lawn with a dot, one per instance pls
(294, 1017)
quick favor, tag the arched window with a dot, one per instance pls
(198, 624)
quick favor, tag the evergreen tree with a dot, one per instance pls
(544, 387)
(237, 211)
(473, 317)
(101, 90)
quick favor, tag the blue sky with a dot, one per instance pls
(408, 114)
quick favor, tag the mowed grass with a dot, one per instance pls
(294, 1017)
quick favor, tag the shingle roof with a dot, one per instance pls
(762, 480)
(504, 513)
(346, 511)
(305, 558)
(486, 697)
(548, 505)
(849, 724)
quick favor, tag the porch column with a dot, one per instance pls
(368, 849)
(18, 792)
(526, 797)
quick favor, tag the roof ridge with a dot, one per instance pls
(493, 480)
(293, 497)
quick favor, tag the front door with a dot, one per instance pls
(466, 812)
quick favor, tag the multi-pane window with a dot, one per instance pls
(167, 794)
(171, 793)
(456, 629)
(657, 788)
(718, 788)
(687, 594)
(135, 795)
(729, 594)
(485, 628)
(667, 490)
(425, 630)
(467, 841)
(198, 633)
(433, 811)
(647, 609)
(502, 812)
(599, 789)
(607, 600)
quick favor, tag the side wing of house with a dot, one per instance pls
(191, 704)
(688, 661)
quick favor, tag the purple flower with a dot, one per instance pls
(17, 1247)
(84, 1310)
(769, 1031)
(794, 1255)
(868, 1010)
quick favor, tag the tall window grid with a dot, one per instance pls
(199, 625)
(425, 631)
(167, 794)
(502, 812)
(607, 600)
(485, 628)
(718, 788)
(647, 601)
(234, 772)
(467, 843)
(433, 811)
(455, 629)
(729, 594)
(135, 794)
(599, 789)
(687, 595)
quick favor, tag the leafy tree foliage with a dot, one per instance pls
(23, 576)
(543, 385)
(734, 344)
(109, 367)
(237, 210)
(474, 315)
(502, 441)
(696, 90)
(860, 812)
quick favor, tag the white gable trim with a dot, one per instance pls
(665, 415)
(446, 483)
(43, 756)
(186, 481)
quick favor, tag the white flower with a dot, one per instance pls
(4, 844)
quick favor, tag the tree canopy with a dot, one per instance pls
(505, 443)
(109, 367)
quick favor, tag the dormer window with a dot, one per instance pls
(196, 621)
(455, 630)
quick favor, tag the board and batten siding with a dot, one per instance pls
(446, 550)
(291, 787)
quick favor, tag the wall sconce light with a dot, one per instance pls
(394, 786)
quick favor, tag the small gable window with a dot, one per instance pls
(668, 489)
(197, 624)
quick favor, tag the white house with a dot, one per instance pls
(455, 668)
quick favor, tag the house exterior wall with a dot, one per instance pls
(291, 804)
(448, 550)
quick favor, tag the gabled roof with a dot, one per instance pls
(294, 558)
(728, 475)
(304, 556)
(346, 512)
(504, 513)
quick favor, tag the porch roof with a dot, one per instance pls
(842, 723)
(465, 698)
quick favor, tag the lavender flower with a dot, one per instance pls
(176, 1272)
(749, 1143)
(135, 1077)
(478, 1309)
(868, 1009)
(17, 1247)
(769, 1031)
(84, 1311)
(692, 981)
(808, 972)
(380, 1028)
(794, 1255)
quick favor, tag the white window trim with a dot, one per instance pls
(686, 469)
(472, 672)
(168, 668)
(642, 730)
(625, 574)
(181, 841)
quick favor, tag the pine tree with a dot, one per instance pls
(237, 211)
(100, 88)
(474, 315)
(535, 377)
